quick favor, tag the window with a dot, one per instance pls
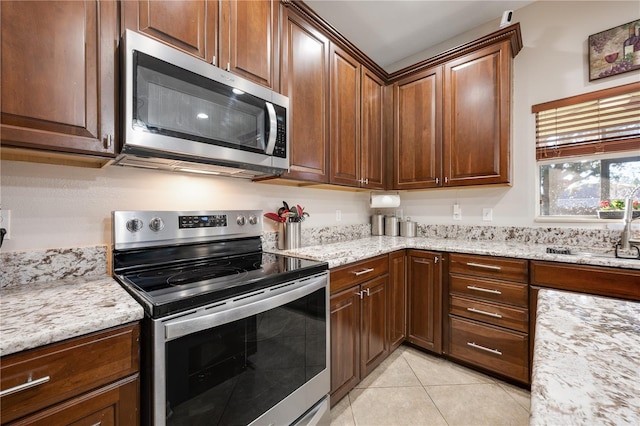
(588, 151)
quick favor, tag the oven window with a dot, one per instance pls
(175, 102)
(232, 374)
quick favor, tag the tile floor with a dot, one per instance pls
(414, 388)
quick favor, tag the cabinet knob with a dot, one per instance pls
(108, 141)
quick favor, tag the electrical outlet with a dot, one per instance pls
(457, 212)
(487, 214)
(338, 215)
(5, 222)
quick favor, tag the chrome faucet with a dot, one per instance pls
(625, 238)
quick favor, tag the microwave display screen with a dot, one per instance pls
(175, 102)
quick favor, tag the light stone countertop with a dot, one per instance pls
(38, 314)
(586, 364)
(337, 254)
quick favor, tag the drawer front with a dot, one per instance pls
(603, 281)
(67, 369)
(358, 272)
(504, 352)
(500, 315)
(490, 290)
(490, 267)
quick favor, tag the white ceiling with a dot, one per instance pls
(390, 30)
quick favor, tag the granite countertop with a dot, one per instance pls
(337, 254)
(38, 314)
(586, 364)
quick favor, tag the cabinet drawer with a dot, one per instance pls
(358, 272)
(490, 290)
(502, 351)
(500, 315)
(603, 281)
(491, 267)
(67, 369)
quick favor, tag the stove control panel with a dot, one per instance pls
(139, 229)
(202, 221)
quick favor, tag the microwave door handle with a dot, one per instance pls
(273, 128)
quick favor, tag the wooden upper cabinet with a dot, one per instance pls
(373, 162)
(305, 80)
(59, 75)
(345, 115)
(239, 36)
(477, 117)
(249, 39)
(189, 25)
(418, 137)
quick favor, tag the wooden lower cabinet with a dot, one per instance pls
(424, 299)
(114, 404)
(359, 322)
(358, 334)
(86, 380)
(488, 314)
(345, 342)
(397, 300)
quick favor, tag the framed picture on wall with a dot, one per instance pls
(614, 51)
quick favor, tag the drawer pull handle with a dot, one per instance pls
(478, 311)
(493, 351)
(486, 290)
(29, 384)
(364, 271)
(480, 265)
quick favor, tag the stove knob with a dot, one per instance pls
(156, 224)
(240, 220)
(253, 220)
(134, 225)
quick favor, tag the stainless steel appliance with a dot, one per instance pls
(183, 114)
(232, 334)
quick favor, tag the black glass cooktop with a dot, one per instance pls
(164, 289)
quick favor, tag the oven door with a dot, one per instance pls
(260, 358)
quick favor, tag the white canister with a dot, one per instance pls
(391, 226)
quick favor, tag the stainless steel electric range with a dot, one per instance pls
(232, 334)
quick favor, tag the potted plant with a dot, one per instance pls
(614, 209)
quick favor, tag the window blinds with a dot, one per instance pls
(603, 121)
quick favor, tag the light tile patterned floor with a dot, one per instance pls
(414, 388)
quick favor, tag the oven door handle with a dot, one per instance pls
(242, 307)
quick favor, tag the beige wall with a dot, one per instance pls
(59, 206)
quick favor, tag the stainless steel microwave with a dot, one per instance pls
(183, 114)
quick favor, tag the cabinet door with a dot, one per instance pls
(189, 25)
(59, 75)
(418, 136)
(116, 404)
(345, 342)
(424, 282)
(372, 146)
(345, 118)
(397, 299)
(476, 117)
(248, 39)
(305, 80)
(374, 342)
